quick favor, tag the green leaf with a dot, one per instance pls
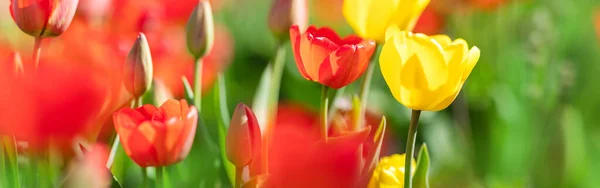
(115, 183)
(223, 118)
(189, 92)
(260, 105)
(421, 177)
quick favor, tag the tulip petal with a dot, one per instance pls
(408, 13)
(295, 42)
(172, 108)
(390, 65)
(413, 90)
(431, 58)
(31, 15)
(355, 12)
(447, 101)
(380, 17)
(189, 131)
(443, 40)
(471, 61)
(62, 14)
(314, 49)
(391, 31)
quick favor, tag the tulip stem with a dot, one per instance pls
(410, 147)
(324, 111)
(364, 91)
(198, 86)
(238, 176)
(11, 151)
(37, 49)
(159, 176)
(273, 99)
(144, 177)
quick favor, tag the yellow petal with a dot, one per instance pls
(391, 31)
(355, 12)
(470, 63)
(379, 16)
(443, 40)
(413, 90)
(390, 65)
(447, 101)
(407, 13)
(431, 59)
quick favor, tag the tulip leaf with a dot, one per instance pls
(421, 177)
(115, 183)
(223, 118)
(260, 105)
(189, 92)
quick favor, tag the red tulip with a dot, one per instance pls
(322, 56)
(43, 18)
(431, 22)
(243, 143)
(157, 136)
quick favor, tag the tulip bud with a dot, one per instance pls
(138, 67)
(284, 14)
(243, 136)
(200, 30)
(43, 18)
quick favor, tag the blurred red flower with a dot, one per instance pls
(298, 157)
(157, 136)
(322, 56)
(55, 103)
(43, 18)
(431, 22)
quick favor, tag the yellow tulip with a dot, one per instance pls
(423, 72)
(370, 18)
(390, 172)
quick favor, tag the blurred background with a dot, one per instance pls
(527, 116)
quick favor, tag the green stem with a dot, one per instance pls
(324, 107)
(410, 147)
(37, 49)
(11, 152)
(144, 177)
(278, 66)
(159, 177)
(238, 176)
(198, 86)
(364, 92)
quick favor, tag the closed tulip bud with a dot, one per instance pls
(138, 67)
(284, 14)
(43, 18)
(243, 137)
(390, 172)
(200, 30)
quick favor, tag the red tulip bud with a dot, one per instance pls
(243, 137)
(138, 67)
(200, 30)
(284, 14)
(43, 18)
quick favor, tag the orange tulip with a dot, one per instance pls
(322, 56)
(43, 18)
(157, 136)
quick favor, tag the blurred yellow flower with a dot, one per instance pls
(370, 18)
(390, 172)
(423, 72)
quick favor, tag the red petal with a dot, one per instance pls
(295, 42)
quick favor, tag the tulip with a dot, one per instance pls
(423, 72)
(322, 56)
(243, 137)
(154, 136)
(284, 14)
(138, 67)
(200, 30)
(390, 172)
(43, 18)
(369, 19)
